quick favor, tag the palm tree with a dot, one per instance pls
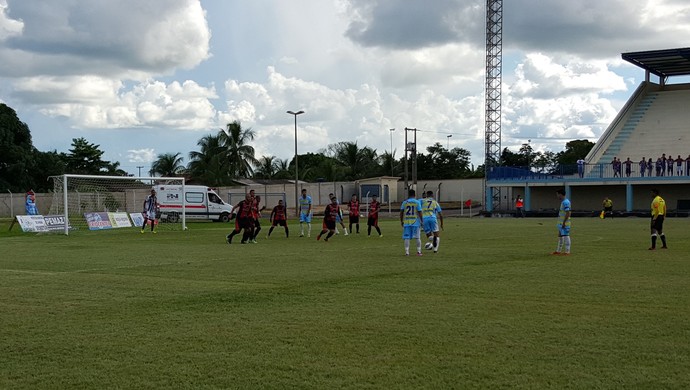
(208, 165)
(358, 162)
(238, 153)
(266, 168)
(167, 165)
(282, 169)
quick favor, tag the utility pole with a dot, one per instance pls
(139, 167)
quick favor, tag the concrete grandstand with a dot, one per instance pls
(654, 121)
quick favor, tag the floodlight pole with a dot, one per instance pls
(296, 169)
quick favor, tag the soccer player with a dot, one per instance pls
(519, 207)
(607, 204)
(256, 214)
(150, 208)
(563, 226)
(657, 225)
(430, 209)
(330, 216)
(339, 219)
(305, 213)
(410, 220)
(353, 211)
(278, 217)
(373, 219)
(244, 220)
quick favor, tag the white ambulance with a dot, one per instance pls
(201, 202)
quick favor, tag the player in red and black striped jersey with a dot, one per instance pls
(256, 214)
(330, 215)
(243, 220)
(279, 217)
(353, 209)
(373, 220)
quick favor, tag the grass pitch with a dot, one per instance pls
(120, 309)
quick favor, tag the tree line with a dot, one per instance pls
(228, 155)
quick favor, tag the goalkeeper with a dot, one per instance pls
(150, 211)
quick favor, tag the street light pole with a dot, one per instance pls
(448, 145)
(139, 168)
(391, 131)
(296, 169)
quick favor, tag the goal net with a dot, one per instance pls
(90, 202)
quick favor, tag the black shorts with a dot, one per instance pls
(607, 209)
(658, 224)
(329, 225)
(354, 218)
(373, 221)
(279, 222)
(244, 223)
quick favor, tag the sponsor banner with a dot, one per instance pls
(55, 222)
(137, 219)
(98, 221)
(119, 220)
(32, 223)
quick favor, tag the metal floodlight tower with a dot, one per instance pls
(492, 130)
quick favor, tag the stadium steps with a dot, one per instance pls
(624, 134)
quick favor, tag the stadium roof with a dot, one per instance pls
(663, 63)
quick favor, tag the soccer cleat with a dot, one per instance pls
(253, 241)
(652, 249)
(407, 254)
(142, 232)
(556, 253)
(318, 237)
(566, 254)
(154, 231)
(664, 247)
(381, 236)
(419, 254)
(325, 239)
(301, 234)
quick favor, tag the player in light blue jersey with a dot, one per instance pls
(410, 220)
(563, 225)
(305, 213)
(430, 209)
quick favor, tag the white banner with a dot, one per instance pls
(137, 219)
(119, 220)
(32, 223)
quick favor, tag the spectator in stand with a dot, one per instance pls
(650, 165)
(581, 168)
(669, 165)
(628, 167)
(643, 166)
(659, 166)
(663, 164)
(679, 166)
(687, 166)
(614, 165)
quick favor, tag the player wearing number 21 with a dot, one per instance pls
(411, 220)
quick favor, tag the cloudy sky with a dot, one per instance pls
(141, 78)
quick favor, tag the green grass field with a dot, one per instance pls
(119, 309)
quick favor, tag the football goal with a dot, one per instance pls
(90, 202)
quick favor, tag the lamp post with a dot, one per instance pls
(296, 169)
(391, 131)
(448, 144)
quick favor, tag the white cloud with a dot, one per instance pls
(8, 27)
(141, 155)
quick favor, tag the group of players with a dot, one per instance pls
(415, 215)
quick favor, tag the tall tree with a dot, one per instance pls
(167, 165)
(238, 152)
(17, 150)
(208, 165)
(357, 162)
(86, 158)
(441, 163)
(574, 150)
(267, 168)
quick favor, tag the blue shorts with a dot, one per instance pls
(410, 232)
(304, 218)
(430, 225)
(563, 231)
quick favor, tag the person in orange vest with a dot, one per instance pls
(519, 207)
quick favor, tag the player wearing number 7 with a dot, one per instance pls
(430, 209)
(410, 220)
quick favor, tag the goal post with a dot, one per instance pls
(94, 202)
